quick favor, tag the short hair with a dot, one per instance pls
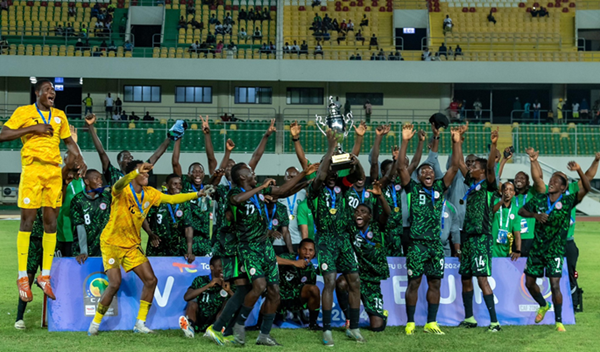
(525, 174)
(424, 165)
(503, 188)
(482, 163)
(304, 241)
(172, 176)
(90, 171)
(385, 163)
(366, 206)
(194, 164)
(40, 83)
(132, 165)
(214, 259)
(235, 172)
(563, 177)
(121, 153)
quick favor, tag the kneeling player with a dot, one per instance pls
(370, 248)
(552, 213)
(206, 297)
(120, 241)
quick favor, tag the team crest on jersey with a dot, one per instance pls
(223, 293)
(324, 266)
(243, 269)
(179, 213)
(57, 120)
(367, 195)
(275, 222)
(409, 272)
(436, 195)
(103, 206)
(446, 215)
(26, 200)
(337, 189)
(111, 261)
(370, 235)
(559, 205)
(252, 271)
(478, 188)
(303, 280)
(261, 197)
(146, 205)
(512, 216)
(397, 187)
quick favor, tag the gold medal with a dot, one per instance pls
(397, 209)
(292, 217)
(333, 211)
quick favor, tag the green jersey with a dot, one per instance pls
(224, 238)
(393, 195)
(330, 209)
(480, 212)
(354, 198)
(305, 217)
(112, 175)
(169, 221)
(93, 215)
(527, 224)
(277, 217)
(249, 218)
(506, 222)
(425, 210)
(210, 301)
(63, 223)
(573, 189)
(38, 225)
(292, 279)
(371, 251)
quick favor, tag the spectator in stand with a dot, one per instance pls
(536, 111)
(443, 51)
(373, 42)
(147, 117)
(118, 105)
(399, 56)
(358, 57)
(364, 22)
(343, 27)
(263, 49)
(108, 106)
(97, 53)
(575, 108)
(453, 108)
(327, 21)
(251, 16)
(304, 48)
(242, 35)
(543, 12)
(124, 116)
(79, 45)
(451, 52)
(231, 51)
(491, 18)
(286, 48)
(447, 26)
(350, 26)
(103, 45)
(534, 12)
(219, 29)
(196, 24)
(559, 111)
(213, 19)
(391, 57)
(341, 37)
(517, 106)
(315, 3)
(463, 110)
(72, 11)
(69, 31)
(88, 102)
(266, 15)
(133, 117)
(190, 9)
(352, 57)
(477, 108)
(228, 28)
(368, 110)
(128, 46)
(272, 48)
(83, 32)
(182, 23)
(116, 116)
(426, 56)
(4, 5)
(326, 36)
(58, 31)
(457, 51)
(242, 15)
(193, 48)
(359, 37)
(373, 57)
(111, 8)
(101, 15)
(228, 19)
(317, 18)
(257, 35)
(584, 109)
(295, 48)
(211, 39)
(318, 50)
(334, 26)
(381, 55)
(95, 10)
(112, 46)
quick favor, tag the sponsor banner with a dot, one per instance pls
(79, 287)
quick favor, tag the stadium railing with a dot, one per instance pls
(565, 139)
(528, 117)
(473, 40)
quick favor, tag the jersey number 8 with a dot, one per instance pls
(86, 219)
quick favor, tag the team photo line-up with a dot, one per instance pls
(262, 237)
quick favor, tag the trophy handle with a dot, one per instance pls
(349, 122)
(319, 120)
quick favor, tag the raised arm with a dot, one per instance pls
(407, 134)
(436, 138)
(536, 171)
(416, 160)
(360, 135)
(491, 162)
(244, 196)
(326, 163)
(90, 120)
(160, 151)
(591, 172)
(295, 133)
(120, 185)
(180, 198)
(587, 187)
(380, 132)
(208, 145)
(462, 166)
(175, 158)
(456, 155)
(385, 214)
(290, 187)
(504, 161)
(229, 146)
(260, 150)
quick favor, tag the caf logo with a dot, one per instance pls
(94, 286)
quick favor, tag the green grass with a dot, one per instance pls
(579, 337)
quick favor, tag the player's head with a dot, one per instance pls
(230, 164)
(290, 173)
(92, 179)
(142, 178)
(478, 168)
(362, 215)
(386, 165)
(173, 184)
(306, 249)
(124, 158)
(470, 159)
(216, 267)
(558, 183)
(44, 91)
(426, 175)
(508, 191)
(521, 180)
(242, 174)
(196, 173)
(360, 183)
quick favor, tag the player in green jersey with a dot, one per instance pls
(306, 222)
(552, 212)
(506, 228)
(90, 211)
(476, 243)
(425, 252)
(171, 233)
(247, 202)
(368, 236)
(206, 297)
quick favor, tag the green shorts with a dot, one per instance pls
(372, 298)
(336, 255)
(425, 258)
(395, 246)
(260, 261)
(35, 255)
(538, 262)
(232, 268)
(203, 322)
(201, 245)
(476, 258)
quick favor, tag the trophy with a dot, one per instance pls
(341, 125)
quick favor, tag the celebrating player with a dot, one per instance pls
(506, 228)
(425, 252)
(206, 297)
(40, 127)
(552, 212)
(476, 246)
(120, 241)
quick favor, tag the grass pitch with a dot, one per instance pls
(579, 337)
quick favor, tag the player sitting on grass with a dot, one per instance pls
(41, 128)
(206, 298)
(551, 210)
(371, 247)
(426, 206)
(120, 241)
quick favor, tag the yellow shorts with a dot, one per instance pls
(40, 186)
(115, 256)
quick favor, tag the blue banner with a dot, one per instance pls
(79, 287)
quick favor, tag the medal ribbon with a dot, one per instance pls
(270, 219)
(171, 211)
(551, 206)
(364, 236)
(362, 199)
(254, 200)
(42, 115)
(473, 186)
(292, 204)
(394, 196)
(332, 193)
(139, 203)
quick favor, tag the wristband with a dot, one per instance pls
(438, 137)
(517, 252)
(295, 139)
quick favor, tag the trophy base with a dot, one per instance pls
(341, 162)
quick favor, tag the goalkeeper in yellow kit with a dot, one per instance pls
(120, 241)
